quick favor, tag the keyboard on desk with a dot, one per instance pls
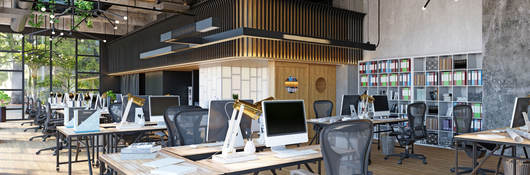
(294, 153)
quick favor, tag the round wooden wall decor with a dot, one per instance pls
(320, 84)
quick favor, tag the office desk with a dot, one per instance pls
(201, 151)
(322, 122)
(109, 144)
(474, 138)
(135, 167)
(266, 161)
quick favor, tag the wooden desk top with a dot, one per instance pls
(70, 131)
(200, 149)
(135, 167)
(265, 159)
(506, 140)
(61, 111)
(333, 119)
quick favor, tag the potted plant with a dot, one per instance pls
(111, 95)
(4, 101)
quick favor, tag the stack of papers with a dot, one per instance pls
(137, 151)
(170, 166)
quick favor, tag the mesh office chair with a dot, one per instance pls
(345, 147)
(322, 108)
(50, 127)
(463, 115)
(39, 118)
(183, 125)
(407, 135)
(30, 110)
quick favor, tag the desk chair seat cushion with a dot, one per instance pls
(345, 147)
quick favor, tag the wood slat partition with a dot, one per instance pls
(294, 17)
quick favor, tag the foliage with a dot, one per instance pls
(4, 99)
(83, 12)
(111, 94)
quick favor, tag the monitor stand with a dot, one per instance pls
(280, 148)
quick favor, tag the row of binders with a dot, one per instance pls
(386, 80)
(386, 66)
(431, 123)
(477, 110)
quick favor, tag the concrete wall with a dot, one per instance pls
(346, 83)
(406, 30)
(506, 36)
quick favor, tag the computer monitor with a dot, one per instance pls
(520, 106)
(284, 122)
(119, 98)
(381, 106)
(159, 104)
(347, 101)
(219, 113)
(93, 101)
(132, 111)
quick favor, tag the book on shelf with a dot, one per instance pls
(447, 125)
(393, 79)
(476, 125)
(364, 80)
(432, 79)
(362, 68)
(404, 80)
(383, 80)
(431, 123)
(405, 93)
(459, 78)
(477, 110)
(373, 80)
(421, 94)
(446, 63)
(446, 78)
(474, 77)
(393, 65)
(404, 65)
(419, 79)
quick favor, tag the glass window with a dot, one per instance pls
(87, 81)
(37, 67)
(10, 61)
(88, 47)
(64, 65)
(87, 64)
(10, 80)
(10, 42)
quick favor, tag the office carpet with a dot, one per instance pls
(17, 157)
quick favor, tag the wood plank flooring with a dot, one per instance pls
(17, 157)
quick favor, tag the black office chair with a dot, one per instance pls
(322, 108)
(30, 110)
(50, 127)
(407, 135)
(463, 116)
(183, 125)
(345, 147)
(39, 118)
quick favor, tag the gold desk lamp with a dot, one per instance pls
(229, 154)
(130, 100)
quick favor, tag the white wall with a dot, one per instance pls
(248, 78)
(406, 30)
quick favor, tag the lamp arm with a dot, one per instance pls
(126, 112)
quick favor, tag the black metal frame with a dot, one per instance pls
(23, 82)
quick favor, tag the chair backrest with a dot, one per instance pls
(172, 119)
(345, 147)
(463, 115)
(323, 108)
(416, 115)
(115, 111)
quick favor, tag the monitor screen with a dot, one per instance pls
(159, 104)
(93, 101)
(284, 117)
(219, 113)
(348, 100)
(380, 103)
(520, 106)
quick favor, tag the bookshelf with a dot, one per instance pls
(441, 81)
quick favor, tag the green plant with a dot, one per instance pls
(111, 94)
(84, 10)
(235, 96)
(4, 99)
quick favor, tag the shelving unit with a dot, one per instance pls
(441, 81)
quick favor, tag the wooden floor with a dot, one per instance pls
(17, 157)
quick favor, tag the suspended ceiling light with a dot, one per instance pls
(52, 16)
(43, 9)
(51, 21)
(104, 40)
(117, 22)
(124, 17)
(115, 27)
(53, 32)
(61, 33)
(425, 6)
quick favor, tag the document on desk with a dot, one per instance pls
(490, 136)
(163, 162)
(180, 169)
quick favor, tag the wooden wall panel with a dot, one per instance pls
(307, 75)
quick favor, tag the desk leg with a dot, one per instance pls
(69, 154)
(474, 155)
(97, 150)
(93, 147)
(378, 138)
(514, 154)
(57, 142)
(319, 167)
(500, 159)
(456, 157)
(88, 154)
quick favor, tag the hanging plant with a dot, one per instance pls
(83, 9)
